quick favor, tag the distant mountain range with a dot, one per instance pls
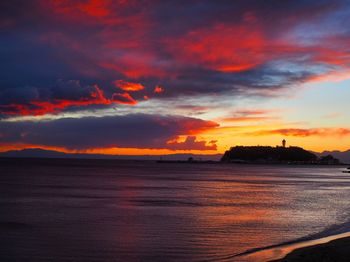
(42, 153)
(344, 156)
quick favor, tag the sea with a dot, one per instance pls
(113, 210)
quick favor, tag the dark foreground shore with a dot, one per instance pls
(334, 251)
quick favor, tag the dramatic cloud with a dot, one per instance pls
(237, 47)
(106, 57)
(138, 131)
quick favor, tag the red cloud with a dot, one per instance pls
(193, 127)
(105, 39)
(137, 65)
(243, 46)
(93, 8)
(191, 143)
(128, 86)
(41, 107)
(158, 89)
(226, 48)
(123, 98)
(304, 132)
(96, 8)
(126, 43)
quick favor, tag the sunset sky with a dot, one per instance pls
(160, 77)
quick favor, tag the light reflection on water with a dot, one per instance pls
(141, 211)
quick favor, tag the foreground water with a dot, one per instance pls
(90, 210)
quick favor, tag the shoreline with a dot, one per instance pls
(334, 250)
(307, 250)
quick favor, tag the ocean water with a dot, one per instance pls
(105, 210)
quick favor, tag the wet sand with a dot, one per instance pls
(307, 250)
(336, 250)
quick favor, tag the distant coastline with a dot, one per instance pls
(344, 157)
(43, 153)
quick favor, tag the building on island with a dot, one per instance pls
(284, 143)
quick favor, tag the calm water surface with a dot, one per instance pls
(90, 210)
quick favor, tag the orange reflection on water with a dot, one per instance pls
(227, 207)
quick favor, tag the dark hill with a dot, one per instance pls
(268, 154)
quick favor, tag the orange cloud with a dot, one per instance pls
(128, 86)
(191, 143)
(298, 132)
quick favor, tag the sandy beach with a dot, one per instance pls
(336, 250)
(329, 248)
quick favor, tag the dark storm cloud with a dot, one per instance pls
(139, 131)
(187, 47)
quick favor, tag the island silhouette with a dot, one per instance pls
(268, 154)
(279, 154)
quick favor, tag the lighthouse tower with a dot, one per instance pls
(284, 143)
